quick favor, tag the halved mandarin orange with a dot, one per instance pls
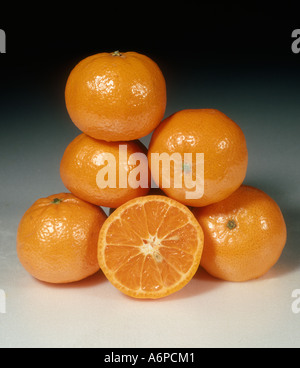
(150, 247)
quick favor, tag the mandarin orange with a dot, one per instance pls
(57, 238)
(116, 96)
(244, 235)
(104, 173)
(150, 247)
(222, 168)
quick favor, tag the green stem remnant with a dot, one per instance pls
(231, 224)
(56, 201)
(186, 168)
(116, 53)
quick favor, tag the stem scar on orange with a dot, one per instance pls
(245, 235)
(57, 238)
(116, 96)
(150, 247)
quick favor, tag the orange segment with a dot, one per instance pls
(118, 255)
(184, 238)
(121, 233)
(130, 272)
(151, 279)
(180, 260)
(136, 219)
(174, 220)
(150, 247)
(155, 214)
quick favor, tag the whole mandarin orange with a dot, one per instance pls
(57, 238)
(244, 235)
(116, 96)
(104, 173)
(200, 131)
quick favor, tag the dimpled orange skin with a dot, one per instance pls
(116, 96)
(244, 235)
(85, 157)
(210, 132)
(57, 239)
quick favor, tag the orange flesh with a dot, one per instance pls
(151, 248)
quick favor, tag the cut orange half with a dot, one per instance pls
(150, 247)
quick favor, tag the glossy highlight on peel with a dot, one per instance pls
(150, 247)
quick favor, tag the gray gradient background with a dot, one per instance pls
(251, 75)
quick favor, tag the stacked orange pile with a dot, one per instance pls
(153, 243)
